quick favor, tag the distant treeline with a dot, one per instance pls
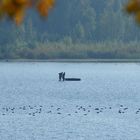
(68, 50)
(74, 29)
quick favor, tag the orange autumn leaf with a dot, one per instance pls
(15, 9)
(19, 16)
(44, 6)
(133, 7)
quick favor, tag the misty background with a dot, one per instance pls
(74, 29)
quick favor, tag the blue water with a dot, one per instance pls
(101, 82)
(68, 108)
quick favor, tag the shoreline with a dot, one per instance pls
(74, 60)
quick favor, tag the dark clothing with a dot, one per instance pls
(60, 75)
(63, 76)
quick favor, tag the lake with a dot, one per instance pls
(34, 105)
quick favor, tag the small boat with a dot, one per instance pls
(72, 79)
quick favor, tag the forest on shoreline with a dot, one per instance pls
(67, 50)
(92, 30)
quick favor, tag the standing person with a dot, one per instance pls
(63, 76)
(60, 75)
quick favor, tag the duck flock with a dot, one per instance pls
(33, 110)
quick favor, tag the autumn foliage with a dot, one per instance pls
(16, 9)
(133, 7)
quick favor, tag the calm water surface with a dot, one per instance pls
(38, 82)
(34, 105)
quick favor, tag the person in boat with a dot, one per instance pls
(60, 75)
(63, 76)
